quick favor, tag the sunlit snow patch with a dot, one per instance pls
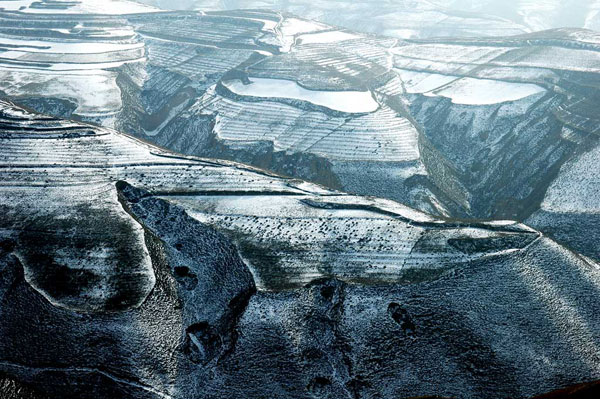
(344, 101)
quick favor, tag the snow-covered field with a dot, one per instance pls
(18, 46)
(331, 105)
(94, 91)
(344, 101)
(471, 91)
(70, 58)
(467, 91)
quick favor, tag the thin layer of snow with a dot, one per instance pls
(470, 91)
(63, 66)
(326, 37)
(387, 206)
(93, 66)
(401, 33)
(268, 25)
(575, 190)
(60, 30)
(344, 101)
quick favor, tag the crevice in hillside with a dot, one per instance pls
(198, 259)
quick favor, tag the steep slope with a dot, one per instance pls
(489, 103)
(570, 211)
(356, 296)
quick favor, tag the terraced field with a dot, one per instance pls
(320, 232)
(128, 270)
(422, 18)
(402, 19)
(196, 200)
(410, 120)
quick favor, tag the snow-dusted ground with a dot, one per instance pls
(289, 28)
(178, 101)
(312, 236)
(379, 136)
(402, 19)
(74, 65)
(145, 265)
(576, 188)
(295, 26)
(422, 18)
